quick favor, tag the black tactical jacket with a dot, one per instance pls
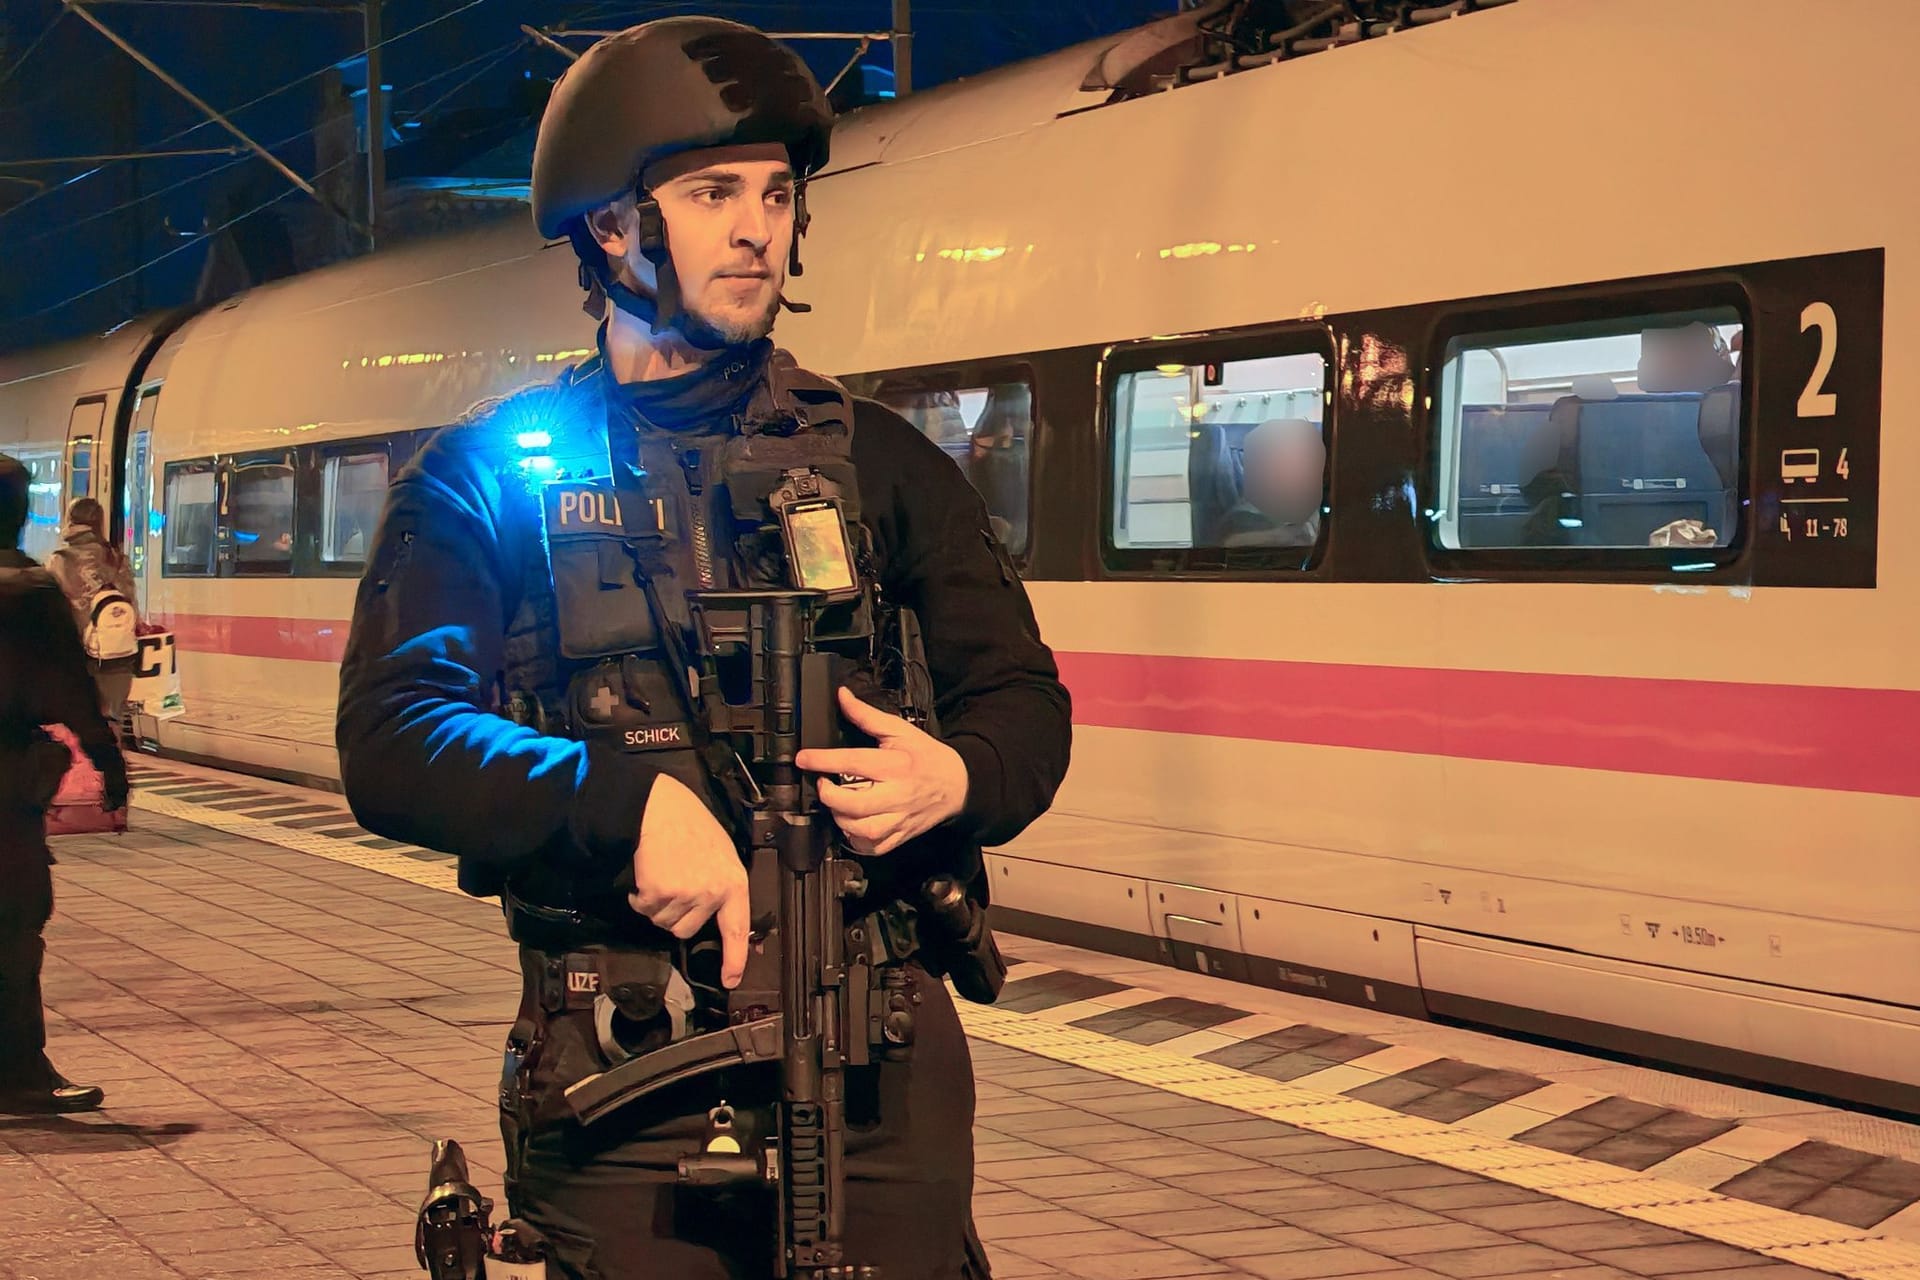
(43, 680)
(427, 756)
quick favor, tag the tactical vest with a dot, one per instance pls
(638, 516)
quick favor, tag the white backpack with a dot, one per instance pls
(112, 629)
(110, 623)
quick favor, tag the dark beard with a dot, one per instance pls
(709, 334)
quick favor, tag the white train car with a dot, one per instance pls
(1584, 705)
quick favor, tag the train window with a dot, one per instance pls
(43, 492)
(1226, 457)
(83, 429)
(138, 496)
(79, 468)
(44, 509)
(353, 488)
(985, 425)
(1617, 434)
(260, 511)
(190, 523)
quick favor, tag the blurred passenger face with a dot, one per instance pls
(1285, 462)
(1688, 358)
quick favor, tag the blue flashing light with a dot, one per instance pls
(541, 464)
(533, 439)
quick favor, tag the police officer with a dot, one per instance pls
(503, 698)
(43, 680)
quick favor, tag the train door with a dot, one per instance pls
(133, 518)
(88, 468)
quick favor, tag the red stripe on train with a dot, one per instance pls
(301, 639)
(1786, 735)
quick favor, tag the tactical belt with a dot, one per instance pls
(893, 931)
(557, 929)
(568, 959)
(638, 1000)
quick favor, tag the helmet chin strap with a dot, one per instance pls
(801, 220)
(664, 309)
(661, 311)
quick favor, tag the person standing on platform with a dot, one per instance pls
(44, 680)
(512, 691)
(99, 585)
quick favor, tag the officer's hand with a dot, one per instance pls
(686, 870)
(918, 781)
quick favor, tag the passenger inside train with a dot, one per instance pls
(934, 414)
(1623, 437)
(1222, 456)
(997, 459)
(985, 430)
(262, 498)
(1284, 463)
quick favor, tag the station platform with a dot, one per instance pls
(285, 1010)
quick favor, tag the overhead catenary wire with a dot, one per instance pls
(499, 54)
(76, 77)
(182, 247)
(234, 111)
(493, 60)
(247, 139)
(38, 40)
(490, 60)
(66, 229)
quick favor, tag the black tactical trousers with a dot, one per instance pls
(26, 904)
(606, 1196)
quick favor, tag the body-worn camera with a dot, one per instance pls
(812, 515)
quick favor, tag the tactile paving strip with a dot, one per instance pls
(1811, 1172)
(433, 875)
(1798, 1238)
(1788, 1237)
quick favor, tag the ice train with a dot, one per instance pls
(1585, 703)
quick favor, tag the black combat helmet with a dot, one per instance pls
(652, 91)
(676, 84)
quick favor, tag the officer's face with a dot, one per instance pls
(729, 216)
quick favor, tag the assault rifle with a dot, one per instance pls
(813, 997)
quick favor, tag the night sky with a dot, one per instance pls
(82, 244)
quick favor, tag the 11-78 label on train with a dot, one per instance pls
(1815, 370)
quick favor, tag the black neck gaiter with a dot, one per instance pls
(706, 399)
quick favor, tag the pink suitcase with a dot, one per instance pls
(76, 805)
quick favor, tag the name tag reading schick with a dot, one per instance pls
(656, 737)
(640, 737)
(584, 506)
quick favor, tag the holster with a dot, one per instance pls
(634, 1001)
(958, 941)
